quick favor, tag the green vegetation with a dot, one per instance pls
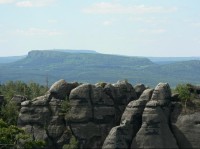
(30, 90)
(11, 136)
(94, 67)
(184, 93)
(9, 110)
(73, 144)
(65, 107)
(9, 113)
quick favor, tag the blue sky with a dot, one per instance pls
(125, 27)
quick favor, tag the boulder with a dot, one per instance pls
(124, 92)
(61, 89)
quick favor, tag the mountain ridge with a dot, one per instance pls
(95, 67)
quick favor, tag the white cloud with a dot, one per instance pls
(116, 8)
(152, 31)
(6, 1)
(37, 32)
(34, 3)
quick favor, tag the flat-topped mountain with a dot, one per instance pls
(44, 66)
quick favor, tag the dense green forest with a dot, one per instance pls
(49, 66)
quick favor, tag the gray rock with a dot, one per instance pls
(81, 92)
(40, 101)
(59, 89)
(186, 128)
(18, 99)
(162, 92)
(33, 115)
(121, 136)
(124, 92)
(139, 88)
(99, 108)
(105, 114)
(155, 131)
(100, 97)
(26, 103)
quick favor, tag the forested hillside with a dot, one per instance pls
(48, 66)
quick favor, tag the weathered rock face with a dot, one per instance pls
(96, 109)
(42, 117)
(155, 130)
(186, 128)
(121, 136)
(145, 122)
(110, 116)
(93, 113)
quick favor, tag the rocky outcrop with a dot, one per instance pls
(43, 119)
(96, 109)
(110, 116)
(121, 136)
(145, 122)
(186, 127)
(62, 89)
(155, 129)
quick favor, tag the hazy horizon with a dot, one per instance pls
(151, 28)
(60, 50)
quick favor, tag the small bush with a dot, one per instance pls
(183, 91)
(73, 144)
(65, 106)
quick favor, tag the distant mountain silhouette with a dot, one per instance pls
(39, 65)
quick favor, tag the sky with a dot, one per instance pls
(169, 28)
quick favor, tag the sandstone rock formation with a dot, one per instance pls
(41, 117)
(95, 109)
(186, 127)
(121, 136)
(155, 130)
(110, 116)
(145, 122)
